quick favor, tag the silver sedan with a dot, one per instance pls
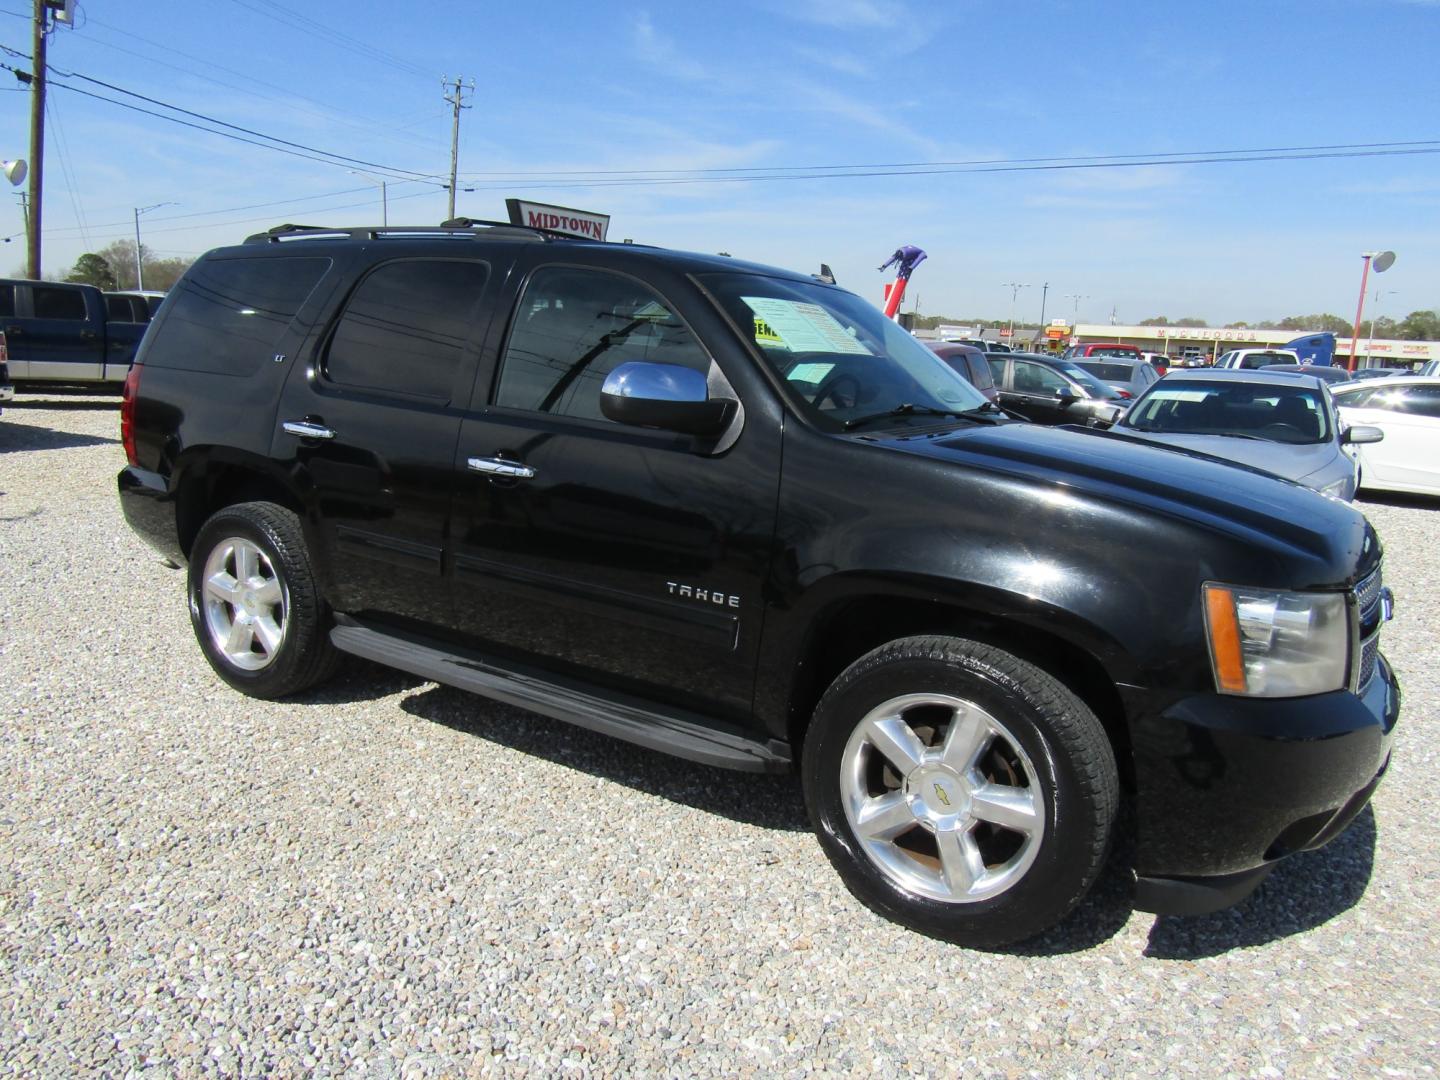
(1280, 423)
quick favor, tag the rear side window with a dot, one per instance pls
(404, 328)
(122, 309)
(226, 315)
(51, 303)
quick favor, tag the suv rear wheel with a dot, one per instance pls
(960, 790)
(254, 604)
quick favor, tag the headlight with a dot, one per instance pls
(1336, 490)
(1276, 644)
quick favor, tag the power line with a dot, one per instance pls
(1151, 157)
(328, 157)
(292, 18)
(284, 95)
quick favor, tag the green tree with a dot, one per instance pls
(160, 274)
(1190, 322)
(92, 269)
(1420, 326)
(1333, 323)
(1157, 320)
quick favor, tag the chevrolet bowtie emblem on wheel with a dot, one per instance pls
(940, 794)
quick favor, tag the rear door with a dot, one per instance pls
(368, 423)
(631, 557)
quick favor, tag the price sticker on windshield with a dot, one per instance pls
(801, 327)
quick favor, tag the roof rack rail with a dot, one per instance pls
(454, 227)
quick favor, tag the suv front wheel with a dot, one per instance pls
(960, 790)
(254, 604)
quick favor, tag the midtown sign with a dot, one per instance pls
(559, 219)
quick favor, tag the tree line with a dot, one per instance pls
(113, 268)
(1417, 326)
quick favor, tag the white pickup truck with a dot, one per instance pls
(1250, 359)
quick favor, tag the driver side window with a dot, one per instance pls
(573, 327)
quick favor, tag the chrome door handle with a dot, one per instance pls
(307, 430)
(495, 466)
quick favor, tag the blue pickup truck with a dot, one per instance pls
(59, 333)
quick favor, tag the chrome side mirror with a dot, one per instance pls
(666, 396)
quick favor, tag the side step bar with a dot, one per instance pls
(681, 734)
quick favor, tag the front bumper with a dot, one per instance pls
(1226, 787)
(149, 508)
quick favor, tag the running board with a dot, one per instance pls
(684, 735)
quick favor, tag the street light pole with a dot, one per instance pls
(1383, 260)
(1014, 287)
(1374, 305)
(384, 199)
(139, 264)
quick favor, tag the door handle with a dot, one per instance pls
(88, 335)
(307, 430)
(14, 331)
(494, 466)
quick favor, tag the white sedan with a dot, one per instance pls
(1407, 409)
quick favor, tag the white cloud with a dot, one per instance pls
(661, 52)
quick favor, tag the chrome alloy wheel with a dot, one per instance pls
(244, 602)
(942, 797)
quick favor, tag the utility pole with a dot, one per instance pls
(1044, 292)
(1014, 287)
(37, 140)
(458, 101)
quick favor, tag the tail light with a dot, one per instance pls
(127, 413)
(1126, 394)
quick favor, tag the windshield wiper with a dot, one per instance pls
(901, 410)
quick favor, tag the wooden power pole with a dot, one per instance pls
(37, 140)
(458, 101)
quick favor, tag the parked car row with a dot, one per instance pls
(1274, 416)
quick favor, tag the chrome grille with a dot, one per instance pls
(1368, 594)
(1368, 652)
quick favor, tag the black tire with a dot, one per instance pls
(1049, 868)
(303, 656)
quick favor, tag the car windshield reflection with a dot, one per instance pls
(1281, 414)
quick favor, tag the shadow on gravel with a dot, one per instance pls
(1398, 498)
(17, 438)
(65, 404)
(360, 680)
(771, 802)
(1304, 892)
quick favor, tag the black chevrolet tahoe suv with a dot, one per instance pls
(734, 514)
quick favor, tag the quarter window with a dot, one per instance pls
(226, 315)
(7, 301)
(405, 327)
(573, 327)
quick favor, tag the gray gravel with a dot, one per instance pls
(390, 878)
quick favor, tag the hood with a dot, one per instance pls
(1232, 498)
(1289, 460)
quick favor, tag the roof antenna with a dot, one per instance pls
(826, 274)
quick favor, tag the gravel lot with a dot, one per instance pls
(390, 878)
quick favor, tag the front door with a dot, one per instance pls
(55, 335)
(1035, 393)
(368, 423)
(626, 556)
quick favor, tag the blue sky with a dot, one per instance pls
(568, 94)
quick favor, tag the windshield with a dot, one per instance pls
(1096, 388)
(1287, 414)
(838, 356)
(1113, 350)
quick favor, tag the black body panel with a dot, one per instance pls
(640, 575)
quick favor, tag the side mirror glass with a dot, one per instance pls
(1357, 436)
(1065, 396)
(666, 396)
